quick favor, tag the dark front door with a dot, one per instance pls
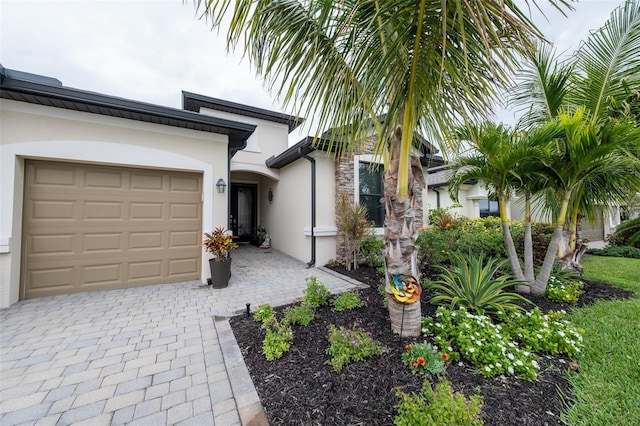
(243, 210)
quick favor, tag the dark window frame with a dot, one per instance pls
(370, 196)
(491, 209)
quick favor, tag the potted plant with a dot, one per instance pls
(219, 243)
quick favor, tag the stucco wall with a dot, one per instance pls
(289, 216)
(38, 132)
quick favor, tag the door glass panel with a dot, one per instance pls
(245, 203)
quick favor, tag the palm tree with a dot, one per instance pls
(600, 78)
(507, 161)
(428, 65)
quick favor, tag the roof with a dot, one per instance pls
(193, 102)
(41, 90)
(307, 145)
(440, 176)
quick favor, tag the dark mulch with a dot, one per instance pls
(300, 389)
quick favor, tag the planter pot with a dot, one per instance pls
(220, 272)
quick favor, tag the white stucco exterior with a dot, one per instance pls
(38, 132)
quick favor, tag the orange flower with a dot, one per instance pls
(408, 347)
(421, 361)
(448, 225)
(445, 356)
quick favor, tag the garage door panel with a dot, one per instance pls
(52, 210)
(147, 211)
(102, 179)
(146, 182)
(96, 227)
(101, 242)
(52, 175)
(179, 267)
(100, 275)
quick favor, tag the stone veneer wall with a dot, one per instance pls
(344, 182)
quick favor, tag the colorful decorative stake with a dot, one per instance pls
(406, 288)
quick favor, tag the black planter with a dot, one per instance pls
(220, 272)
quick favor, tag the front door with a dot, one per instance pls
(243, 210)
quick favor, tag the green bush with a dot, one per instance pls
(350, 345)
(347, 301)
(302, 314)
(626, 234)
(564, 285)
(506, 345)
(263, 313)
(316, 294)
(441, 407)
(277, 339)
(472, 284)
(423, 359)
(617, 251)
(372, 249)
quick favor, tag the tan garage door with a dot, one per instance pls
(89, 227)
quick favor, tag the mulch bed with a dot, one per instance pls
(300, 389)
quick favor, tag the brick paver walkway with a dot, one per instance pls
(155, 355)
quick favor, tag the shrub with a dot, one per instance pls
(349, 345)
(423, 359)
(352, 224)
(263, 313)
(506, 347)
(372, 249)
(617, 251)
(564, 285)
(301, 315)
(347, 301)
(316, 294)
(471, 284)
(626, 234)
(441, 407)
(277, 338)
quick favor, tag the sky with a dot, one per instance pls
(151, 50)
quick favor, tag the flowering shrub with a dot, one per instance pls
(276, 341)
(563, 292)
(316, 294)
(349, 345)
(441, 407)
(263, 313)
(424, 359)
(506, 348)
(540, 332)
(347, 301)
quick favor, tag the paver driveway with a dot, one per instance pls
(151, 355)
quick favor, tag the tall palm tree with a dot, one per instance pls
(507, 161)
(600, 78)
(428, 64)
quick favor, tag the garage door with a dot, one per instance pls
(89, 227)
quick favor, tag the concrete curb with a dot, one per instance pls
(244, 392)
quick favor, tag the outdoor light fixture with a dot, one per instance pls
(270, 196)
(220, 186)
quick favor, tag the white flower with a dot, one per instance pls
(510, 370)
(471, 350)
(518, 363)
(487, 368)
(539, 336)
(450, 349)
(535, 363)
(561, 333)
(510, 356)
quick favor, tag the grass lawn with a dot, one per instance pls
(607, 389)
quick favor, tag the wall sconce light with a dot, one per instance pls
(270, 196)
(220, 186)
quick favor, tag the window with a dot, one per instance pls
(489, 208)
(371, 191)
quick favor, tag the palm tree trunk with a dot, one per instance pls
(540, 284)
(509, 246)
(529, 273)
(400, 233)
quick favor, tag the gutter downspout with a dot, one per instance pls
(312, 262)
(437, 197)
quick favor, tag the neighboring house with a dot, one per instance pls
(474, 202)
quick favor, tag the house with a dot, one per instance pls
(100, 192)
(474, 202)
